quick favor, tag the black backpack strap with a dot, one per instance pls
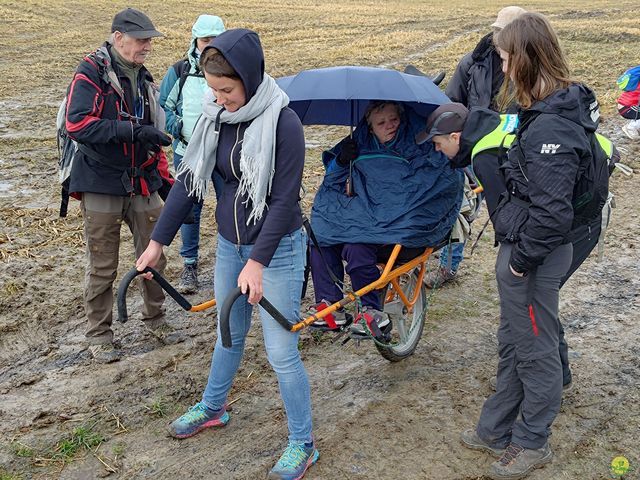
(184, 77)
(502, 152)
(181, 69)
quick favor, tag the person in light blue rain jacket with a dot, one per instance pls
(181, 93)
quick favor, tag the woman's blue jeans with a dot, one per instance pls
(282, 286)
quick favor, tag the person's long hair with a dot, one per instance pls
(536, 65)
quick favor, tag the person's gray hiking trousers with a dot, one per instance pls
(529, 387)
(103, 217)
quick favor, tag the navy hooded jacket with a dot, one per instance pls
(242, 49)
(402, 192)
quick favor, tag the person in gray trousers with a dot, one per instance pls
(533, 221)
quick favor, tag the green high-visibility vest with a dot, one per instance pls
(605, 144)
(503, 135)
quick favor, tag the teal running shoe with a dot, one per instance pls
(294, 462)
(198, 418)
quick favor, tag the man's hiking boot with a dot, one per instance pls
(517, 462)
(631, 132)
(377, 322)
(105, 353)
(294, 462)
(470, 439)
(198, 418)
(493, 382)
(189, 278)
(332, 322)
(439, 277)
(165, 332)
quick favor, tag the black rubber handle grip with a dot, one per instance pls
(225, 311)
(166, 286)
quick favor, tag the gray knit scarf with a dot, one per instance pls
(257, 158)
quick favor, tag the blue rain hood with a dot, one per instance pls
(403, 193)
(242, 49)
(207, 26)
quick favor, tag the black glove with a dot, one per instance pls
(348, 152)
(164, 189)
(150, 138)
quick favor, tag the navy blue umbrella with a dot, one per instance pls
(340, 95)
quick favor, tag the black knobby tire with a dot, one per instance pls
(407, 327)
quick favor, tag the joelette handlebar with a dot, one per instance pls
(225, 311)
(166, 286)
(225, 328)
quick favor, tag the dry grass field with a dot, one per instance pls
(63, 417)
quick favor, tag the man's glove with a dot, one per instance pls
(150, 138)
(164, 189)
(348, 152)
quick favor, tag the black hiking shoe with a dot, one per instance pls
(189, 278)
(517, 462)
(470, 439)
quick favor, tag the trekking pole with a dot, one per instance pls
(475, 244)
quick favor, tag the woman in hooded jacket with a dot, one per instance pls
(249, 137)
(532, 223)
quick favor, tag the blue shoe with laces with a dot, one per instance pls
(294, 462)
(198, 418)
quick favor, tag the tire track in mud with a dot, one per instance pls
(422, 53)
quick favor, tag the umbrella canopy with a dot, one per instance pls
(340, 95)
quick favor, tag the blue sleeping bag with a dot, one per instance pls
(403, 193)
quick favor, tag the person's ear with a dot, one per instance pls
(455, 136)
(117, 37)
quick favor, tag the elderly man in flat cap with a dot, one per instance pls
(112, 113)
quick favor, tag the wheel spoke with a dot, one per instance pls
(407, 327)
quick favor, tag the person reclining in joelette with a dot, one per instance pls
(380, 188)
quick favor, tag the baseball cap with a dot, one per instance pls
(445, 119)
(506, 15)
(134, 23)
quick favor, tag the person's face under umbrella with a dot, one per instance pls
(385, 123)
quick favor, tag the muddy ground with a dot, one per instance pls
(373, 419)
